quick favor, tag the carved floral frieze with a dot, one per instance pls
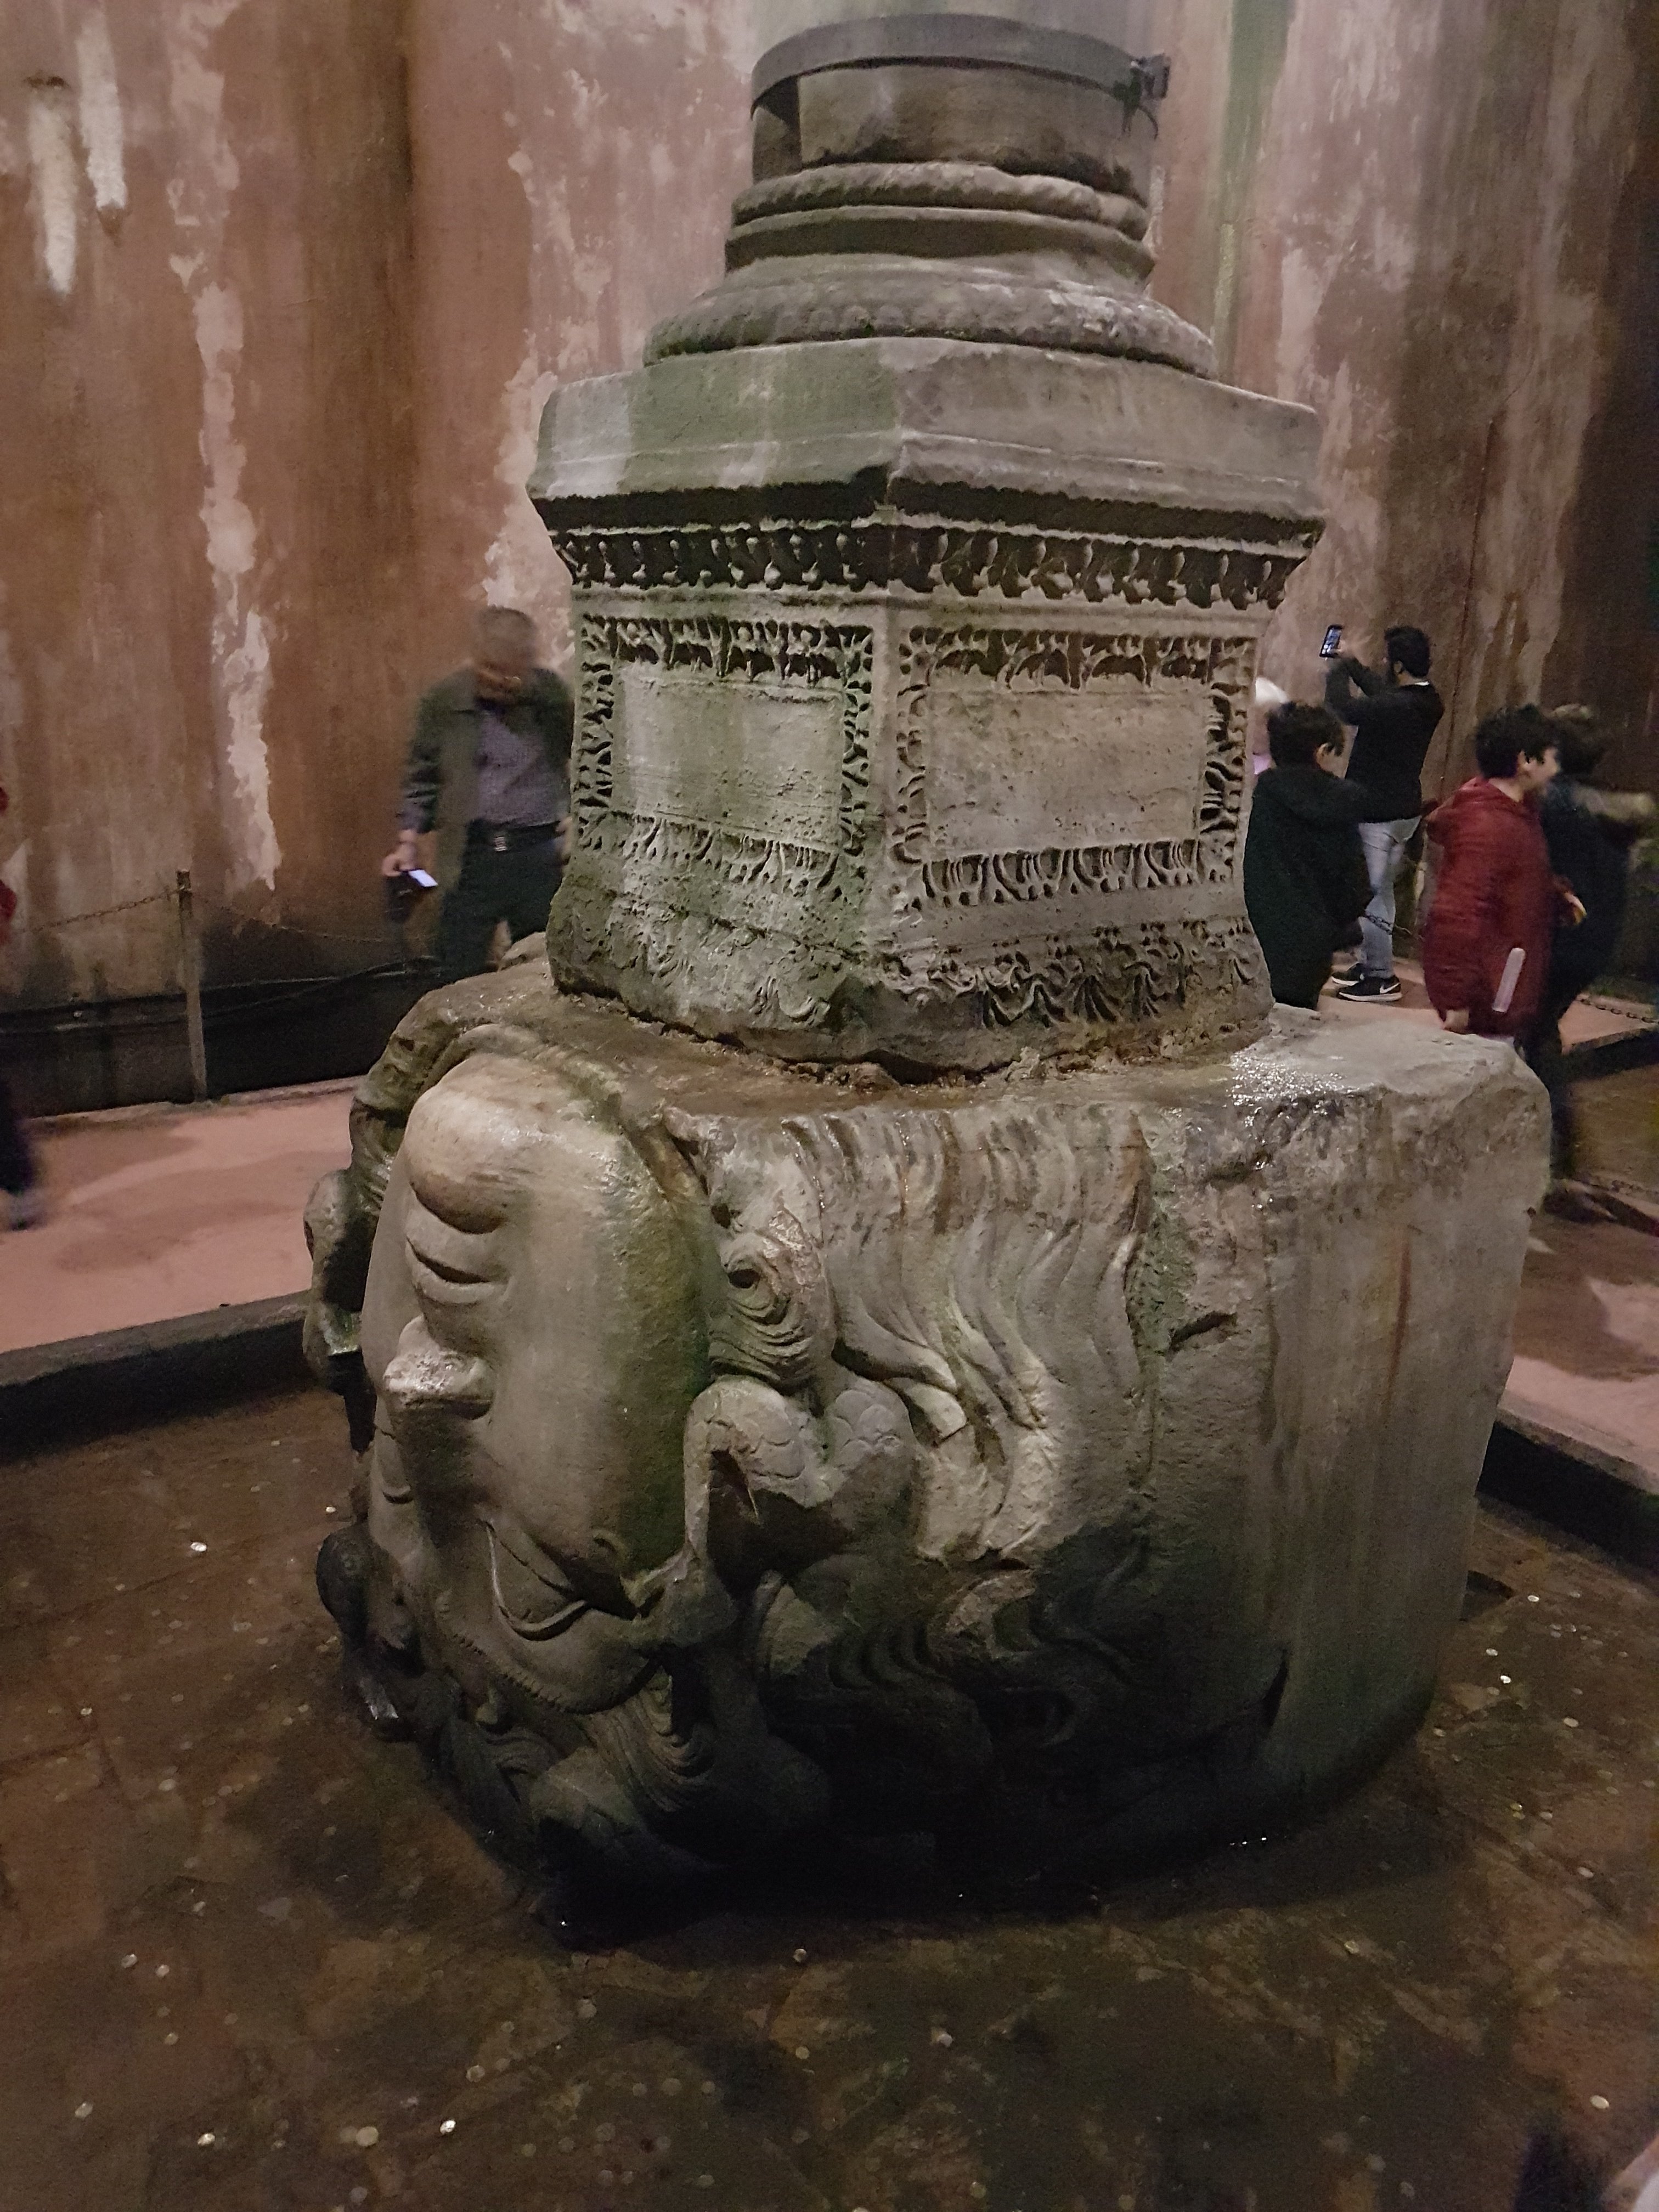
(970, 561)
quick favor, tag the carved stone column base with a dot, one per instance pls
(942, 249)
(914, 678)
(1075, 1464)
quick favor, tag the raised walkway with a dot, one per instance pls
(176, 1236)
(159, 1212)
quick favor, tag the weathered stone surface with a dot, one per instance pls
(971, 263)
(1031, 88)
(1004, 95)
(935, 747)
(1007, 118)
(811, 299)
(902, 429)
(777, 20)
(1068, 1464)
(937, 186)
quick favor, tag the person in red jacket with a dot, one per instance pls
(1487, 946)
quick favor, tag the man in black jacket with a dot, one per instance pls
(1306, 882)
(1590, 832)
(1395, 717)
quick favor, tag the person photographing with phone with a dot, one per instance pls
(488, 769)
(1394, 714)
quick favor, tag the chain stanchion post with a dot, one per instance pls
(190, 933)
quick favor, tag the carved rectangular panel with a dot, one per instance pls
(722, 767)
(1038, 763)
(1029, 766)
(913, 783)
(760, 757)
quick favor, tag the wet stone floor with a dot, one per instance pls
(248, 1958)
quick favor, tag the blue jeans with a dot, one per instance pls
(1384, 843)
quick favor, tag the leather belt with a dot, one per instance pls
(514, 837)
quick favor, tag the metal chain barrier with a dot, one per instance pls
(94, 914)
(264, 994)
(380, 941)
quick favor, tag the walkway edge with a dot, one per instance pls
(1575, 1440)
(89, 1385)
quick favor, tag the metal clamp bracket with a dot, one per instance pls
(971, 41)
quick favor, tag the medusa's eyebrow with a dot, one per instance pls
(472, 1212)
(467, 1198)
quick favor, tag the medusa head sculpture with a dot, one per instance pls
(730, 1474)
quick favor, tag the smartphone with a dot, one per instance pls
(1504, 997)
(404, 891)
(1333, 644)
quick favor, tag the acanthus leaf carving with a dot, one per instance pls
(969, 560)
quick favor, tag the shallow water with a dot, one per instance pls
(248, 1958)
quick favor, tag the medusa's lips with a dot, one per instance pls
(533, 1599)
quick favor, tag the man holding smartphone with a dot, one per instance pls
(1395, 715)
(490, 770)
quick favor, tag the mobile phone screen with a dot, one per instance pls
(1333, 644)
(420, 880)
(1503, 996)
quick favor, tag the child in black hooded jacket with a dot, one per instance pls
(1305, 880)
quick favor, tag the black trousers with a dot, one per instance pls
(516, 888)
(1545, 1056)
(17, 1169)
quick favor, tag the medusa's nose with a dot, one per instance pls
(427, 1382)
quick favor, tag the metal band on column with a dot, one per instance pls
(983, 41)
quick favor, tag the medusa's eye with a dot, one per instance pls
(449, 1267)
(388, 1467)
(532, 1596)
(760, 1290)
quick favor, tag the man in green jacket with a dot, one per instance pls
(490, 770)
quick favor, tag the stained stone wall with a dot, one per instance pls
(1433, 222)
(329, 259)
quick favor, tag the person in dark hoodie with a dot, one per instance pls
(1588, 833)
(1487, 945)
(1395, 715)
(1305, 880)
